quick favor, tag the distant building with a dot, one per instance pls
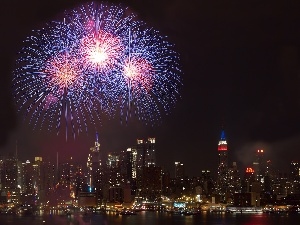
(295, 177)
(87, 199)
(151, 183)
(146, 155)
(259, 165)
(222, 178)
(249, 178)
(9, 172)
(207, 183)
(95, 171)
(179, 170)
(113, 171)
(234, 180)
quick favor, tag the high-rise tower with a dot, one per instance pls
(95, 173)
(222, 181)
(259, 165)
(146, 152)
(179, 170)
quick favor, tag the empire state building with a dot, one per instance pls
(222, 181)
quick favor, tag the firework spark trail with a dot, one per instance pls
(99, 58)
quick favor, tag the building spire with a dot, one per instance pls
(96, 148)
(97, 137)
(223, 138)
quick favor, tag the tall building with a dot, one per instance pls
(150, 158)
(295, 177)
(222, 179)
(9, 173)
(295, 171)
(145, 157)
(151, 187)
(95, 171)
(48, 173)
(145, 152)
(112, 174)
(248, 180)
(80, 182)
(234, 179)
(131, 164)
(179, 170)
(207, 182)
(259, 165)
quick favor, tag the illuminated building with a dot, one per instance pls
(166, 182)
(28, 183)
(234, 180)
(259, 165)
(113, 175)
(145, 152)
(150, 158)
(252, 186)
(145, 157)
(295, 171)
(222, 179)
(9, 173)
(95, 172)
(131, 164)
(113, 160)
(249, 178)
(269, 177)
(179, 170)
(80, 181)
(10, 191)
(295, 177)
(207, 182)
(48, 174)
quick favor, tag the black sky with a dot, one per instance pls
(240, 62)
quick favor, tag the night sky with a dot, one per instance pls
(241, 71)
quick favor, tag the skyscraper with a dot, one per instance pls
(95, 173)
(222, 180)
(112, 172)
(295, 176)
(150, 159)
(145, 152)
(259, 165)
(179, 170)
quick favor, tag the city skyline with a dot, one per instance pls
(240, 65)
(221, 147)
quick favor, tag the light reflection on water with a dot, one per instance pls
(153, 218)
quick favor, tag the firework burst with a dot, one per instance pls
(99, 58)
(101, 51)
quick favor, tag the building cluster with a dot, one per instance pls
(133, 175)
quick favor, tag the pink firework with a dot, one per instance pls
(101, 50)
(63, 72)
(138, 74)
(50, 99)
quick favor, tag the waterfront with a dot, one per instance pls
(155, 218)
